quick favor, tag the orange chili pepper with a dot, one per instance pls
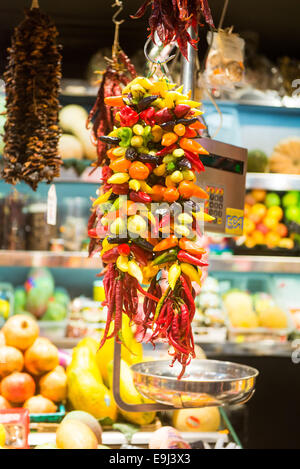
(197, 125)
(110, 154)
(191, 246)
(200, 193)
(158, 193)
(116, 101)
(120, 165)
(186, 189)
(138, 170)
(193, 146)
(168, 139)
(166, 243)
(179, 129)
(171, 194)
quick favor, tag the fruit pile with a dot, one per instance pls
(269, 219)
(144, 220)
(29, 363)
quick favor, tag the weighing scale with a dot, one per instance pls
(206, 382)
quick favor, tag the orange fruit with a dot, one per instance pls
(272, 239)
(250, 243)
(282, 230)
(259, 210)
(259, 195)
(249, 226)
(258, 237)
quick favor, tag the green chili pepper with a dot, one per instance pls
(159, 305)
(147, 135)
(168, 256)
(125, 134)
(171, 167)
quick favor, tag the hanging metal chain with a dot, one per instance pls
(116, 45)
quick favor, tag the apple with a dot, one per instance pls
(20, 331)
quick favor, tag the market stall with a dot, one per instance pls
(190, 284)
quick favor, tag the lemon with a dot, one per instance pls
(4, 308)
(2, 435)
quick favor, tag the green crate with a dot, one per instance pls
(49, 418)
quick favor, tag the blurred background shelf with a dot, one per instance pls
(273, 182)
(80, 260)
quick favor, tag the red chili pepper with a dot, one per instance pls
(111, 255)
(190, 133)
(120, 189)
(92, 233)
(140, 197)
(166, 150)
(150, 166)
(148, 116)
(128, 116)
(184, 256)
(141, 256)
(163, 115)
(123, 249)
(195, 160)
(181, 110)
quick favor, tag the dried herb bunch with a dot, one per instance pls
(32, 81)
(170, 19)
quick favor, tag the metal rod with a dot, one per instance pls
(188, 71)
(116, 389)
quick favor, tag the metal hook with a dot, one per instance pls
(156, 62)
(118, 3)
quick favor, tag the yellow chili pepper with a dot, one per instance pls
(119, 151)
(102, 198)
(134, 185)
(145, 187)
(160, 170)
(156, 132)
(122, 263)
(169, 182)
(191, 272)
(118, 178)
(203, 216)
(135, 271)
(173, 275)
(106, 246)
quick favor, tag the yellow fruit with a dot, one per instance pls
(273, 317)
(2, 435)
(286, 243)
(259, 195)
(275, 212)
(240, 310)
(86, 390)
(73, 434)
(249, 226)
(272, 239)
(250, 242)
(270, 223)
(259, 210)
(206, 419)
(106, 353)
(258, 237)
(130, 395)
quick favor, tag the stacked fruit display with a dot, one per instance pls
(268, 219)
(152, 156)
(29, 368)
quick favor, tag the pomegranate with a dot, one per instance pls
(11, 359)
(17, 387)
(41, 357)
(20, 331)
(40, 405)
(53, 385)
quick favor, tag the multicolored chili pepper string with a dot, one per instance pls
(152, 155)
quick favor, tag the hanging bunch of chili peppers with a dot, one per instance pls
(153, 153)
(118, 74)
(170, 19)
(32, 80)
